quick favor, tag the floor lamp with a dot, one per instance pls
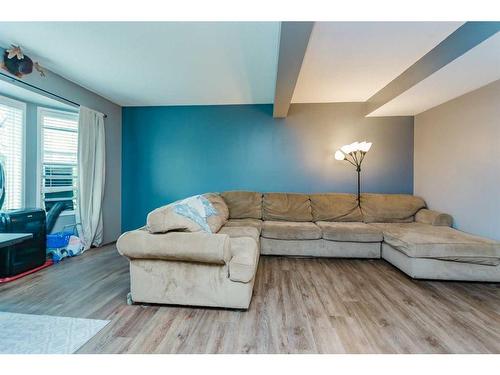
(354, 154)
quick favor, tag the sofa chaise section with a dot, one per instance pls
(196, 269)
(439, 269)
(425, 251)
(421, 242)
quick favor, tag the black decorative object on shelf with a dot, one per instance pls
(17, 63)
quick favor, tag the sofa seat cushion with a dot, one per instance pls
(243, 204)
(335, 207)
(237, 232)
(419, 240)
(390, 208)
(350, 232)
(290, 230)
(254, 223)
(245, 259)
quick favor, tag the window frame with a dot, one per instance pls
(5, 100)
(39, 168)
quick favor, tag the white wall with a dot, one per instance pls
(457, 160)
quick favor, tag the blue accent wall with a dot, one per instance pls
(170, 153)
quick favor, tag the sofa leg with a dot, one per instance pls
(130, 301)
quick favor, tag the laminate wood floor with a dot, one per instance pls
(299, 306)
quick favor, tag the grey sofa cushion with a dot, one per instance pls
(237, 232)
(243, 204)
(290, 230)
(419, 240)
(350, 232)
(390, 208)
(335, 207)
(286, 207)
(254, 223)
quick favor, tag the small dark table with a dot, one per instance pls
(8, 239)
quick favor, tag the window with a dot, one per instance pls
(12, 122)
(59, 157)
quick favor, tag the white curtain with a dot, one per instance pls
(91, 171)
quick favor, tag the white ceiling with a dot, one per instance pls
(351, 61)
(474, 69)
(201, 63)
(162, 63)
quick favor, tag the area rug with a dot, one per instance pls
(44, 334)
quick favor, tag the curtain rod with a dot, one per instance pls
(13, 79)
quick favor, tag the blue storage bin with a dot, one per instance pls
(58, 240)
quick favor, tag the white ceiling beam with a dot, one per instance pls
(294, 38)
(466, 37)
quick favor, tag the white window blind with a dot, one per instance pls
(12, 120)
(59, 153)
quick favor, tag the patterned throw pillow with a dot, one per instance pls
(197, 209)
(190, 214)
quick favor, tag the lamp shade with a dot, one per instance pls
(354, 146)
(346, 149)
(351, 151)
(339, 155)
(365, 146)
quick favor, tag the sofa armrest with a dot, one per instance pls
(245, 259)
(431, 217)
(177, 246)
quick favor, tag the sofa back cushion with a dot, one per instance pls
(243, 204)
(286, 206)
(215, 222)
(335, 207)
(390, 208)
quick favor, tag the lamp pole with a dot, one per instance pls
(358, 169)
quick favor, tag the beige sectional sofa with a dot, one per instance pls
(218, 269)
